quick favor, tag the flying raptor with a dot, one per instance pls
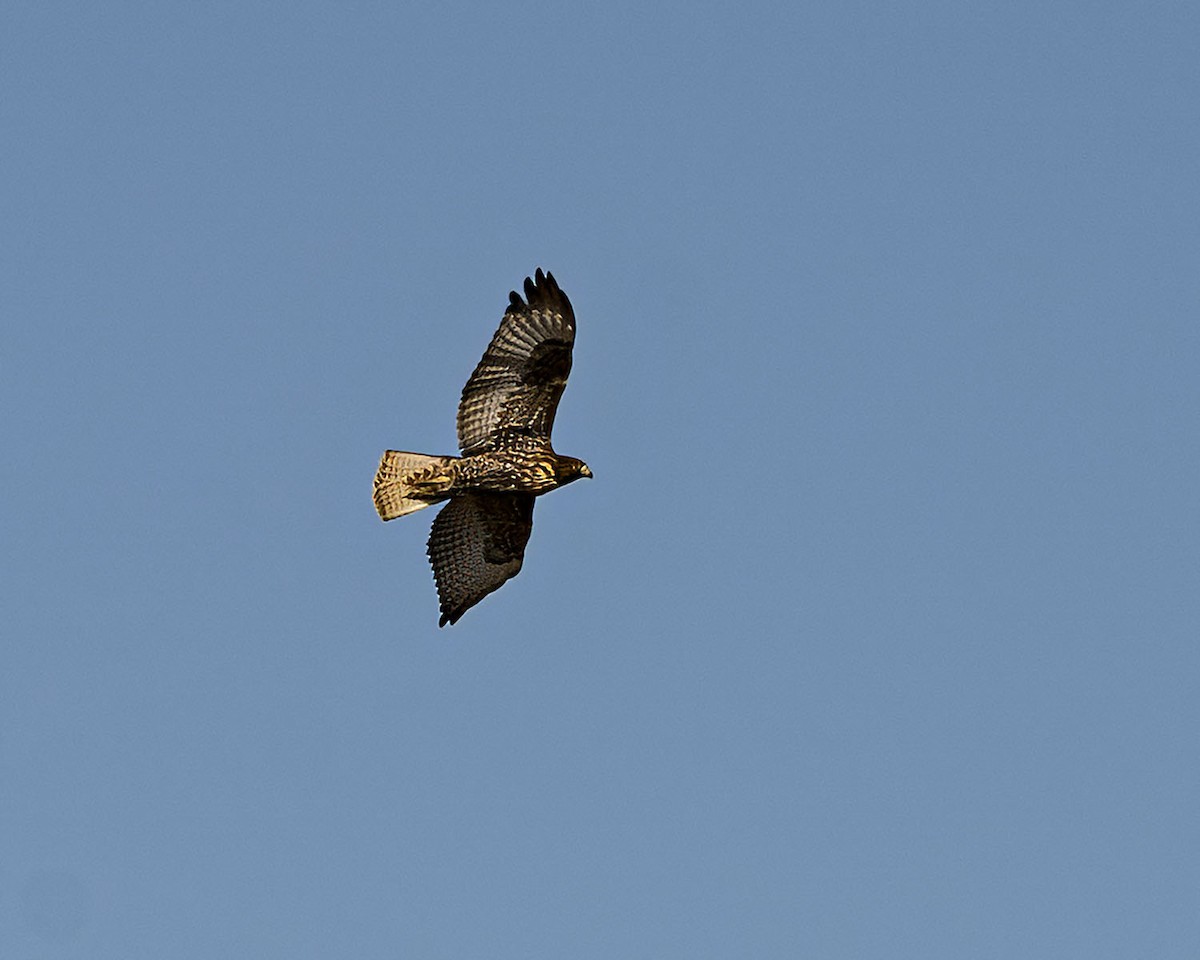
(504, 421)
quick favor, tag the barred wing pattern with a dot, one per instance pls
(515, 389)
(477, 543)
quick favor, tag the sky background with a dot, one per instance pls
(875, 634)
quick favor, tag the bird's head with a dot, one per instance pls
(567, 469)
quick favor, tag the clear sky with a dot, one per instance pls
(876, 633)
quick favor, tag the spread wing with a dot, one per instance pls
(515, 389)
(477, 543)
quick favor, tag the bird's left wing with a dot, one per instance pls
(476, 544)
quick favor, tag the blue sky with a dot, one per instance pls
(875, 634)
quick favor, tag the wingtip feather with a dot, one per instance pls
(542, 292)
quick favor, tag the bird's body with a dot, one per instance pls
(527, 466)
(504, 422)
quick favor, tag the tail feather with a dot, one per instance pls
(408, 482)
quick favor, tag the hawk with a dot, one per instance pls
(504, 420)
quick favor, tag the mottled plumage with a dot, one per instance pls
(504, 422)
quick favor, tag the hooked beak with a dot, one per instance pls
(585, 471)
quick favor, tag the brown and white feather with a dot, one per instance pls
(515, 389)
(476, 544)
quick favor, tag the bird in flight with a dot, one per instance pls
(504, 420)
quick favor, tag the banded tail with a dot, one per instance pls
(408, 482)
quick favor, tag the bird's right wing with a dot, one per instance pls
(515, 389)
